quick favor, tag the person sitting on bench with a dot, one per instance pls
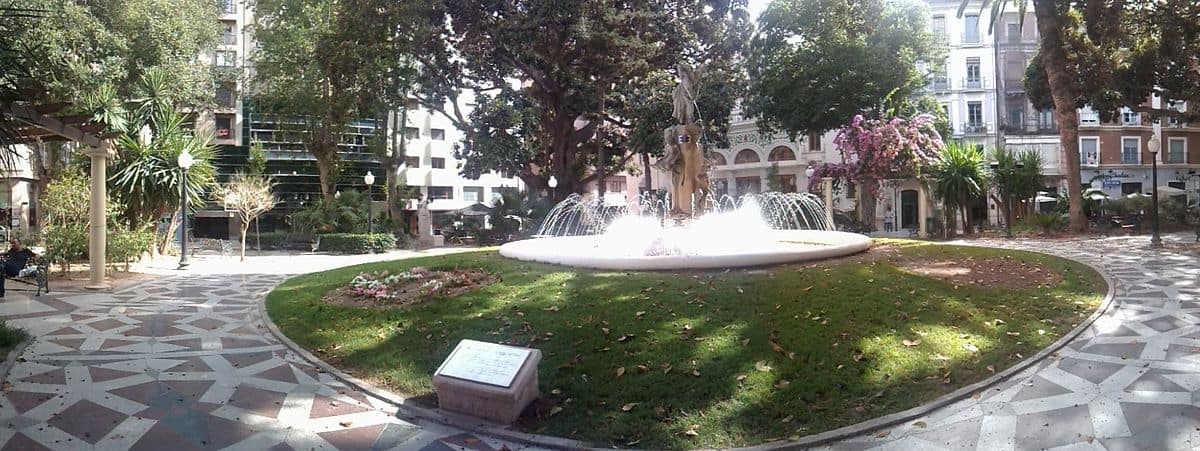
(15, 260)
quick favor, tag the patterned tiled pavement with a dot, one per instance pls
(184, 362)
(1130, 381)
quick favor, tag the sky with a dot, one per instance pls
(757, 7)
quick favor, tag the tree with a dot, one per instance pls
(1016, 175)
(815, 63)
(249, 196)
(554, 80)
(874, 150)
(773, 178)
(959, 178)
(256, 160)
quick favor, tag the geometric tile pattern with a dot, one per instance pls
(183, 362)
(1131, 381)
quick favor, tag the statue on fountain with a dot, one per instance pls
(683, 157)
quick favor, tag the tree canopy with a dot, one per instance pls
(816, 63)
(561, 86)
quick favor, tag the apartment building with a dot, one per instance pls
(1022, 126)
(965, 85)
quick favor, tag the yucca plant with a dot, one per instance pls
(959, 177)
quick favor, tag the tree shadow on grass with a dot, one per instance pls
(738, 357)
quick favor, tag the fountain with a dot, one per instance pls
(689, 228)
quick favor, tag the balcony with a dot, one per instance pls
(228, 7)
(971, 128)
(229, 38)
(940, 84)
(1029, 128)
(976, 83)
(1089, 118)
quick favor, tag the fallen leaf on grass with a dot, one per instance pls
(970, 348)
(762, 366)
(628, 407)
(555, 410)
(783, 383)
(991, 368)
(620, 372)
(911, 343)
(692, 430)
(741, 377)
(787, 419)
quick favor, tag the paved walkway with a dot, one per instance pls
(1131, 381)
(183, 362)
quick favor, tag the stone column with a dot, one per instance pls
(827, 191)
(98, 228)
(764, 181)
(922, 209)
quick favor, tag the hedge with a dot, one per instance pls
(356, 243)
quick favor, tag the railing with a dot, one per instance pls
(940, 84)
(1089, 118)
(228, 6)
(975, 83)
(1029, 128)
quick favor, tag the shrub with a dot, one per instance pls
(125, 246)
(1048, 222)
(345, 214)
(356, 243)
(65, 244)
(270, 240)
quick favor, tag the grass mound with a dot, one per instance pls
(708, 359)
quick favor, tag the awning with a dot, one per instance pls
(475, 209)
(1171, 190)
(1132, 195)
(1039, 199)
(449, 204)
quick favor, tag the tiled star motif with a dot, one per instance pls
(182, 363)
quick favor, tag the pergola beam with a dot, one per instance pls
(33, 117)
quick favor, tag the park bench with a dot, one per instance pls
(35, 273)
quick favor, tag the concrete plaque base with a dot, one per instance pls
(501, 404)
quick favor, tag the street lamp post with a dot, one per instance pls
(185, 161)
(369, 179)
(1153, 145)
(552, 183)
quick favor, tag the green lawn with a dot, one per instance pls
(9, 337)
(711, 359)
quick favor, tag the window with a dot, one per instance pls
(1131, 150)
(938, 26)
(224, 126)
(412, 105)
(412, 133)
(1016, 114)
(748, 185)
(814, 142)
(971, 29)
(1176, 150)
(228, 36)
(1088, 116)
(441, 192)
(718, 159)
(473, 193)
(1131, 188)
(437, 134)
(412, 162)
(746, 156)
(1089, 151)
(501, 190)
(437, 163)
(615, 185)
(1046, 120)
(975, 115)
(786, 183)
(974, 77)
(940, 80)
(228, 6)
(225, 58)
(224, 96)
(781, 153)
(1013, 30)
(1130, 117)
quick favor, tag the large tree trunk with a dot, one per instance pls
(646, 164)
(245, 227)
(170, 235)
(1063, 90)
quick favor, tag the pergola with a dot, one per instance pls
(46, 123)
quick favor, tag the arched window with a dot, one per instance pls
(718, 159)
(746, 156)
(781, 153)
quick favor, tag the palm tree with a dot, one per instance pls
(959, 178)
(1052, 23)
(1016, 175)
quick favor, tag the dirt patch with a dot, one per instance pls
(407, 288)
(989, 272)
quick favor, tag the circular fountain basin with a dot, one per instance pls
(778, 246)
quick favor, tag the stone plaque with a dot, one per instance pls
(485, 363)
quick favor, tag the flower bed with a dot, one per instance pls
(414, 286)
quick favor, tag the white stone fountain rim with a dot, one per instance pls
(564, 250)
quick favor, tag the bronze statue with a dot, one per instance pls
(682, 156)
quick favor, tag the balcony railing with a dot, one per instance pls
(940, 84)
(1029, 128)
(975, 83)
(974, 128)
(229, 38)
(1089, 118)
(228, 6)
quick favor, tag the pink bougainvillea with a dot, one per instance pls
(874, 150)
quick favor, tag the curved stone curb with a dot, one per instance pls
(497, 431)
(409, 410)
(11, 360)
(962, 393)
